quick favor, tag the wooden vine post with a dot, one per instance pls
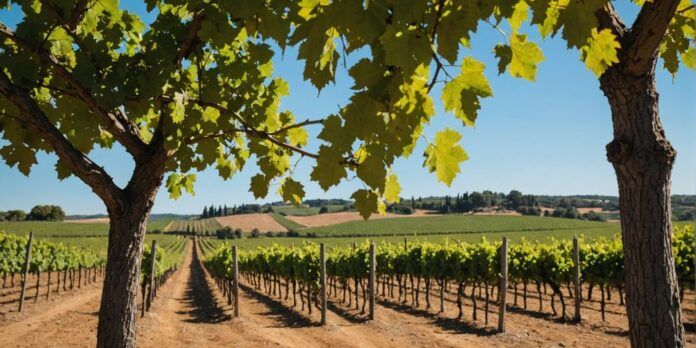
(322, 279)
(502, 290)
(372, 280)
(576, 279)
(27, 260)
(235, 278)
(153, 265)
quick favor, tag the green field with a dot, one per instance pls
(287, 223)
(304, 210)
(457, 224)
(99, 244)
(250, 243)
(498, 227)
(55, 229)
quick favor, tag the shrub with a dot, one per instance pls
(323, 210)
(255, 233)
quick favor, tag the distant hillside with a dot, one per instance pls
(153, 217)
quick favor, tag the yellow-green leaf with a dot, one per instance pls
(292, 191)
(526, 55)
(392, 189)
(462, 95)
(444, 155)
(601, 51)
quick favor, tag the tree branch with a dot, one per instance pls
(83, 167)
(643, 40)
(609, 19)
(297, 125)
(125, 131)
(190, 39)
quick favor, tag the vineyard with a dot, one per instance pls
(466, 270)
(67, 267)
(195, 226)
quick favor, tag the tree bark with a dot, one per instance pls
(126, 235)
(643, 158)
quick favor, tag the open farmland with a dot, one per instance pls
(453, 224)
(198, 226)
(305, 210)
(328, 219)
(249, 222)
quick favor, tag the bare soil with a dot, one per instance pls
(191, 311)
(248, 222)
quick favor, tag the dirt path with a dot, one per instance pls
(71, 321)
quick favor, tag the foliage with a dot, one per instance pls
(550, 262)
(45, 256)
(195, 85)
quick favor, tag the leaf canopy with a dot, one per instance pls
(195, 88)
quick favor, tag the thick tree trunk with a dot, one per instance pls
(642, 158)
(118, 303)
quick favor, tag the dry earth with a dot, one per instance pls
(248, 222)
(191, 312)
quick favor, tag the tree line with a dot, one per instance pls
(37, 213)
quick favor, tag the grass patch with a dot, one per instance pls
(455, 224)
(287, 223)
(304, 210)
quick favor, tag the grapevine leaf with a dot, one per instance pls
(392, 189)
(365, 202)
(526, 55)
(292, 191)
(601, 51)
(444, 155)
(462, 95)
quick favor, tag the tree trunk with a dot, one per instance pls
(118, 303)
(643, 158)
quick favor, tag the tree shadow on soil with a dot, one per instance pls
(199, 297)
(449, 324)
(352, 315)
(288, 316)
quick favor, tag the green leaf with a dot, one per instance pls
(526, 55)
(177, 108)
(366, 203)
(328, 171)
(211, 114)
(392, 189)
(519, 15)
(601, 51)
(462, 95)
(292, 191)
(504, 54)
(689, 58)
(444, 155)
(177, 182)
(298, 136)
(406, 47)
(372, 169)
(259, 186)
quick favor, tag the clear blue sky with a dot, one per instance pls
(545, 137)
